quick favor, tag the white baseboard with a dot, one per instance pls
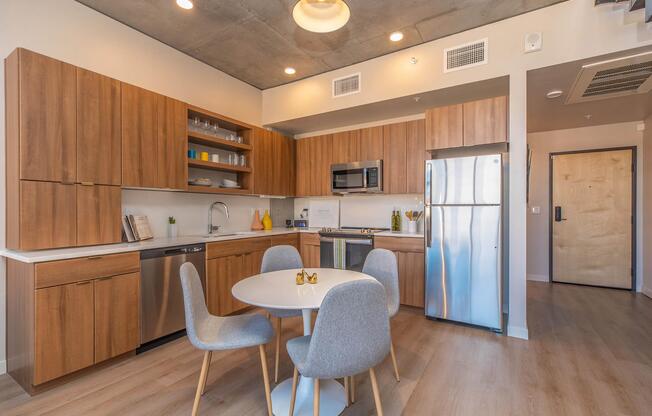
(517, 332)
(3, 367)
(646, 291)
(538, 277)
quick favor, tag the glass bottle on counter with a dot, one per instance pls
(396, 220)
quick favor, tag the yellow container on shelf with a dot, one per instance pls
(204, 156)
(267, 221)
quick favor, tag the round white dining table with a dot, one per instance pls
(278, 290)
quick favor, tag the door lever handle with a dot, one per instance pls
(558, 216)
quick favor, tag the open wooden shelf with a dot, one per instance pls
(222, 167)
(216, 190)
(211, 141)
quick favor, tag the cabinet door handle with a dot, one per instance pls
(94, 257)
(105, 278)
(87, 183)
(83, 283)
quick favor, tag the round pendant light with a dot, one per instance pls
(321, 16)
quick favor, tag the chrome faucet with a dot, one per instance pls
(215, 228)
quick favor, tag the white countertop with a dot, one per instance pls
(38, 256)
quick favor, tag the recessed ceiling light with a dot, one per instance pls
(396, 36)
(290, 71)
(185, 4)
(321, 16)
(554, 94)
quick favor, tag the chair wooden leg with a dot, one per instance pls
(352, 387)
(347, 391)
(315, 400)
(210, 357)
(293, 397)
(268, 394)
(202, 381)
(374, 386)
(391, 350)
(278, 348)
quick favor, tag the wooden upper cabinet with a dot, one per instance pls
(41, 126)
(139, 137)
(445, 127)
(262, 161)
(117, 316)
(371, 143)
(47, 216)
(346, 147)
(485, 121)
(323, 151)
(98, 214)
(63, 330)
(283, 149)
(416, 156)
(395, 158)
(172, 143)
(98, 129)
(302, 167)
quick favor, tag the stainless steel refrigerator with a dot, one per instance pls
(463, 231)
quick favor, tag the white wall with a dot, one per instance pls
(544, 143)
(191, 210)
(369, 210)
(71, 32)
(647, 208)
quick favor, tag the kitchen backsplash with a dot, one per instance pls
(191, 210)
(370, 210)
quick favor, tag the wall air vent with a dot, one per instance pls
(347, 85)
(466, 56)
(612, 78)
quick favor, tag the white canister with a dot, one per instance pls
(412, 227)
(215, 158)
(173, 232)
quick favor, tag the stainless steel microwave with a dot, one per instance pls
(357, 177)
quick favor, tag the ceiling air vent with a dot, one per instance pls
(612, 78)
(347, 85)
(466, 56)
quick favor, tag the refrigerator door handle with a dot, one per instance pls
(428, 183)
(427, 226)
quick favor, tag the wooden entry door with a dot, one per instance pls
(592, 218)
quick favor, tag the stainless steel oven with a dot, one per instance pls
(357, 177)
(358, 243)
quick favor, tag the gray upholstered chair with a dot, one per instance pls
(381, 264)
(212, 333)
(351, 335)
(280, 258)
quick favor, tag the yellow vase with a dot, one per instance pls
(267, 221)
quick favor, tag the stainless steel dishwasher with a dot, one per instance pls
(161, 297)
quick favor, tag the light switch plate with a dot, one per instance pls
(536, 210)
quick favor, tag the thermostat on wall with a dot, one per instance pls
(533, 42)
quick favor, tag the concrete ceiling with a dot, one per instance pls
(545, 114)
(254, 40)
(396, 108)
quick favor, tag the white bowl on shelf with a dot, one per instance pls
(228, 183)
(201, 182)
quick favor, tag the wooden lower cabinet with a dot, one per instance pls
(411, 267)
(117, 315)
(61, 323)
(286, 240)
(229, 262)
(309, 249)
(63, 330)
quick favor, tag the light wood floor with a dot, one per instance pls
(590, 353)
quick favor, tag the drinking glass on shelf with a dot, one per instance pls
(240, 139)
(216, 129)
(196, 124)
(207, 126)
(243, 161)
(231, 159)
(231, 137)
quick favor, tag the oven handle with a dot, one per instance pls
(361, 242)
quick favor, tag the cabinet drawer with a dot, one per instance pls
(407, 244)
(311, 239)
(235, 247)
(75, 270)
(286, 240)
